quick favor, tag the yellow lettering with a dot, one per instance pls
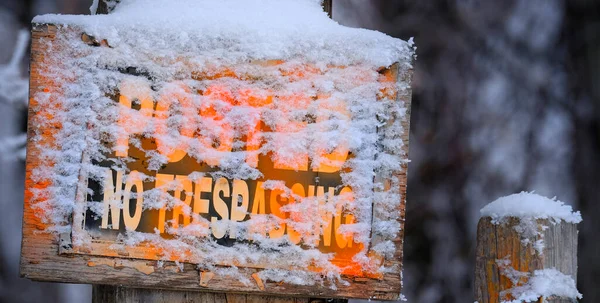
(315, 224)
(130, 121)
(258, 204)
(182, 210)
(161, 181)
(333, 162)
(325, 228)
(341, 239)
(112, 199)
(239, 204)
(258, 208)
(201, 205)
(349, 220)
(221, 140)
(221, 186)
(285, 157)
(278, 230)
(175, 150)
(132, 222)
(295, 236)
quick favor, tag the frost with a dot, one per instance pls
(508, 271)
(229, 91)
(543, 283)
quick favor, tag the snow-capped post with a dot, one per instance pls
(527, 251)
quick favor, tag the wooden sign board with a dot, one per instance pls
(92, 249)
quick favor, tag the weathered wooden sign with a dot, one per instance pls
(224, 178)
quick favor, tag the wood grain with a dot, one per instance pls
(501, 241)
(104, 7)
(116, 294)
(40, 258)
(328, 7)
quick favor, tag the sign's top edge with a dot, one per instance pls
(259, 28)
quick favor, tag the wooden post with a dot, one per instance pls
(505, 249)
(328, 7)
(104, 7)
(117, 294)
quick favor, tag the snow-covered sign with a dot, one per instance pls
(240, 145)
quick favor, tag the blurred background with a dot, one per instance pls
(506, 99)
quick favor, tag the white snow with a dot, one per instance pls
(544, 283)
(244, 29)
(530, 205)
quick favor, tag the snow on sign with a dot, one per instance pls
(247, 146)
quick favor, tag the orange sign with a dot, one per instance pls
(254, 168)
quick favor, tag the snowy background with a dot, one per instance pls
(506, 99)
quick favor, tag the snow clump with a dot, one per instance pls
(530, 205)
